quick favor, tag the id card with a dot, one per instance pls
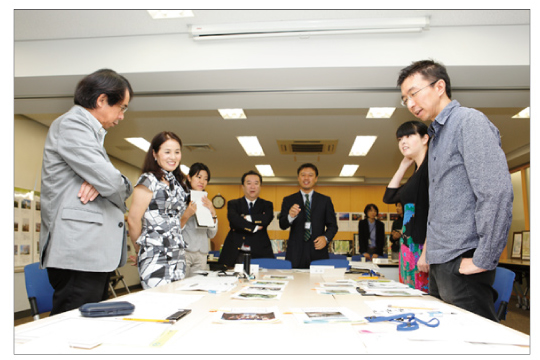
(307, 226)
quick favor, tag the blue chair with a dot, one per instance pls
(214, 252)
(337, 256)
(269, 263)
(357, 257)
(39, 290)
(504, 282)
(337, 263)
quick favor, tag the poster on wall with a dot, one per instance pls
(27, 224)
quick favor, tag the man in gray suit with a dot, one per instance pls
(83, 195)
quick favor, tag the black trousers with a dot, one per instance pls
(73, 288)
(474, 293)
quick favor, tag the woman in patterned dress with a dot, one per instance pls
(159, 200)
(413, 142)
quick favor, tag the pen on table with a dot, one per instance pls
(151, 320)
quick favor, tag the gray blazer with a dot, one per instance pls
(76, 236)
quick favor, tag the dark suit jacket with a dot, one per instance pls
(242, 230)
(363, 236)
(323, 222)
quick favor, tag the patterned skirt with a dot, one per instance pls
(409, 253)
(160, 265)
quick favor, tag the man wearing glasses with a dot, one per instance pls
(470, 191)
(83, 195)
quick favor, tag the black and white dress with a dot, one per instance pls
(161, 255)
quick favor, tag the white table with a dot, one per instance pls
(198, 334)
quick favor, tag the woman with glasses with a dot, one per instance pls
(159, 200)
(413, 142)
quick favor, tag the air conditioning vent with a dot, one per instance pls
(291, 147)
(198, 147)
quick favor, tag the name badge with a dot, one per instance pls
(307, 226)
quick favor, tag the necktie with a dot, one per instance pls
(250, 207)
(307, 232)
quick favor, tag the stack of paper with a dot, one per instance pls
(338, 287)
(203, 214)
(211, 283)
(387, 288)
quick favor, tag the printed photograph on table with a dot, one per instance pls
(247, 315)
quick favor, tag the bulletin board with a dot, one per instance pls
(27, 226)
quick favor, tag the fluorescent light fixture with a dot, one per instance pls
(348, 170)
(139, 142)
(229, 114)
(523, 114)
(170, 14)
(265, 170)
(361, 145)
(380, 112)
(251, 145)
(184, 169)
(309, 28)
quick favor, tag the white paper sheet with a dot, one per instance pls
(203, 214)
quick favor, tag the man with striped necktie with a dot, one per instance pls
(312, 220)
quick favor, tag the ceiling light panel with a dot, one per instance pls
(265, 170)
(139, 142)
(380, 112)
(251, 145)
(362, 145)
(231, 114)
(523, 114)
(348, 170)
(184, 169)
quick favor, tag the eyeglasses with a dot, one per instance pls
(124, 108)
(405, 99)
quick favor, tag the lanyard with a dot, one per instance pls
(407, 322)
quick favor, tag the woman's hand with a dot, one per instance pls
(134, 259)
(406, 162)
(207, 203)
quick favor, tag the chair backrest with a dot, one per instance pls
(269, 263)
(337, 256)
(504, 283)
(356, 257)
(214, 252)
(38, 287)
(337, 263)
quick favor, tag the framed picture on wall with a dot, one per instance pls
(526, 245)
(516, 246)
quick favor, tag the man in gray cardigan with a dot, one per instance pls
(83, 195)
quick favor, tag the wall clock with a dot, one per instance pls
(218, 201)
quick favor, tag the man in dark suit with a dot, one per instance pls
(312, 219)
(249, 218)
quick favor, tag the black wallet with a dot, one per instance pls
(112, 308)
